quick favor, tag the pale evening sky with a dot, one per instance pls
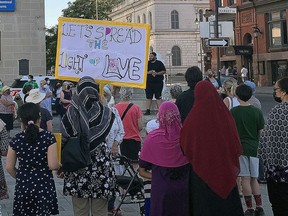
(53, 10)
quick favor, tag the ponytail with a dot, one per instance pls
(32, 131)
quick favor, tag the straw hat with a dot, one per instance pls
(4, 89)
(35, 96)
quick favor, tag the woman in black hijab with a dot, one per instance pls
(90, 187)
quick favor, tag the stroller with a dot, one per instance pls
(131, 183)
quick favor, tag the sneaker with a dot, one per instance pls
(259, 211)
(249, 212)
(147, 112)
(262, 181)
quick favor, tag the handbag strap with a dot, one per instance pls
(126, 110)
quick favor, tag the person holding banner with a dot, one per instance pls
(154, 85)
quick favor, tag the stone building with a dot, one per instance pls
(22, 39)
(261, 39)
(174, 27)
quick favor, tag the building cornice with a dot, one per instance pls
(263, 6)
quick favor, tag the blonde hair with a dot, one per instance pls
(229, 86)
(65, 85)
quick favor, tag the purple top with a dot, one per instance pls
(168, 196)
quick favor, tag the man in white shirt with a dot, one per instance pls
(244, 73)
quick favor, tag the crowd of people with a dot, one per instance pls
(200, 155)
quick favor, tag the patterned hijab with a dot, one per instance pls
(87, 114)
(209, 139)
(161, 146)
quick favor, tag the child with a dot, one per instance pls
(249, 121)
(151, 125)
(36, 151)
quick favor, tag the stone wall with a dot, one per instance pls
(23, 37)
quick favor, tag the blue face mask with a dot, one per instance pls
(1, 83)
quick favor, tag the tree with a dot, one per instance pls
(51, 46)
(85, 9)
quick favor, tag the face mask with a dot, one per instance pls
(277, 99)
(48, 82)
(45, 86)
(0, 83)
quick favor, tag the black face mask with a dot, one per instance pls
(277, 99)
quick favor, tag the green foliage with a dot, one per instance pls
(85, 9)
(51, 46)
(179, 74)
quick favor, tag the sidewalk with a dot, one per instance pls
(65, 204)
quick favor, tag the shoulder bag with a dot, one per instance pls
(75, 153)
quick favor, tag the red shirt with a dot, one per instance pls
(130, 121)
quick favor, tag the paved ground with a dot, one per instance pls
(65, 206)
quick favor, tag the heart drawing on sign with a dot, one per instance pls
(94, 61)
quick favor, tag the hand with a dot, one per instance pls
(60, 173)
(154, 73)
(114, 149)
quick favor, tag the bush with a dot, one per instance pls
(179, 74)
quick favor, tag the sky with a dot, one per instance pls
(53, 10)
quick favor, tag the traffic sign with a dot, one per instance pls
(227, 10)
(218, 42)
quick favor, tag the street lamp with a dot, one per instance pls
(201, 50)
(96, 9)
(170, 54)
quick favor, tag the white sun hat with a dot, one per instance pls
(35, 96)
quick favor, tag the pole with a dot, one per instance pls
(170, 69)
(96, 9)
(216, 31)
(201, 55)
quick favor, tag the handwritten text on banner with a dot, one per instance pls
(111, 52)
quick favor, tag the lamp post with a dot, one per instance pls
(216, 32)
(197, 22)
(170, 54)
(96, 9)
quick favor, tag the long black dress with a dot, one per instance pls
(205, 202)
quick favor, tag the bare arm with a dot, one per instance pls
(62, 98)
(49, 94)
(226, 102)
(140, 125)
(53, 163)
(49, 125)
(11, 162)
(6, 103)
(144, 173)
(161, 72)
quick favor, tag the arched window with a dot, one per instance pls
(150, 19)
(144, 18)
(176, 56)
(174, 19)
(138, 19)
(201, 15)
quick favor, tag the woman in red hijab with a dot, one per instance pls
(210, 141)
(162, 154)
